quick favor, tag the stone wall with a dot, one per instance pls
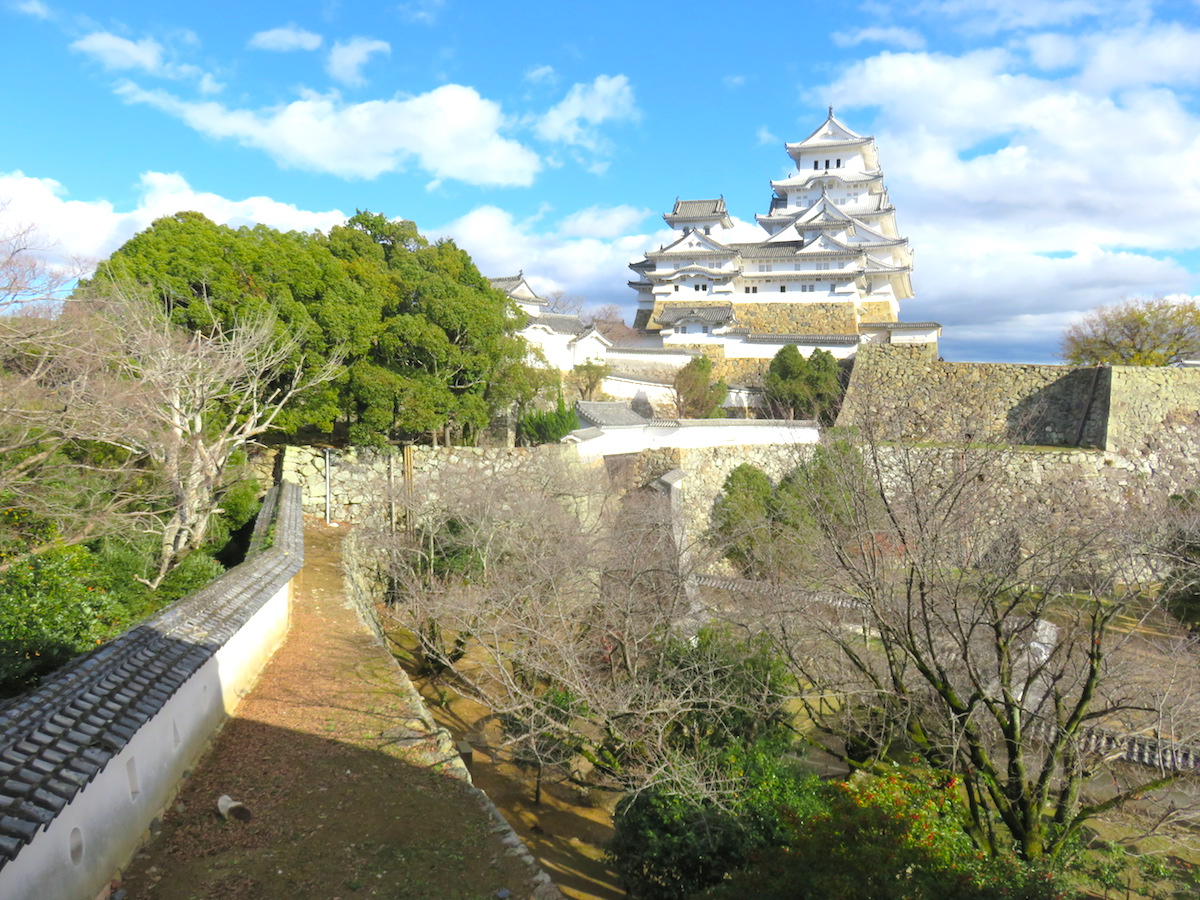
(793, 315)
(705, 471)
(902, 391)
(1152, 410)
(747, 372)
(877, 311)
(359, 480)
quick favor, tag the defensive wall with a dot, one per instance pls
(1124, 434)
(92, 755)
(1126, 431)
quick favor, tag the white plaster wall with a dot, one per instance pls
(99, 831)
(677, 360)
(553, 346)
(739, 349)
(695, 435)
(633, 389)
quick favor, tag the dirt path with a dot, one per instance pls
(332, 762)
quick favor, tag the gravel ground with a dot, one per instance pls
(341, 778)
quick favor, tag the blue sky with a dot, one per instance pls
(1043, 158)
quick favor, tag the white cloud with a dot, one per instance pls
(901, 38)
(609, 98)
(209, 85)
(285, 38)
(347, 59)
(93, 229)
(35, 8)
(734, 81)
(120, 54)
(993, 16)
(541, 75)
(1051, 50)
(563, 257)
(992, 168)
(602, 221)
(423, 12)
(1163, 54)
(117, 53)
(449, 132)
(765, 137)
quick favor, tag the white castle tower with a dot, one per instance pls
(831, 269)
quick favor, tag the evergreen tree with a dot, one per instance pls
(799, 388)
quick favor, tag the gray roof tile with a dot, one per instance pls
(561, 323)
(711, 314)
(610, 413)
(699, 209)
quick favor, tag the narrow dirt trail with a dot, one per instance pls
(331, 762)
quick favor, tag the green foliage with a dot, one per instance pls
(546, 426)
(740, 516)
(697, 396)
(426, 344)
(1154, 332)
(768, 532)
(898, 837)
(587, 378)
(64, 601)
(735, 691)
(668, 846)
(799, 388)
(672, 838)
(50, 611)
(193, 572)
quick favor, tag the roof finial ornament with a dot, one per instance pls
(831, 110)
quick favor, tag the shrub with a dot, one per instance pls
(898, 837)
(547, 427)
(51, 609)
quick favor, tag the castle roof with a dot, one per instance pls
(830, 133)
(686, 211)
(506, 282)
(608, 413)
(559, 323)
(712, 315)
(806, 339)
(872, 326)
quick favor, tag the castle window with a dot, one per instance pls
(708, 229)
(806, 288)
(839, 163)
(704, 287)
(814, 164)
(764, 267)
(676, 287)
(783, 289)
(695, 287)
(826, 164)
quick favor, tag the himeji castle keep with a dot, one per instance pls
(831, 269)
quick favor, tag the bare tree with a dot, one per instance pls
(559, 607)
(114, 371)
(562, 302)
(27, 274)
(54, 489)
(942, 608)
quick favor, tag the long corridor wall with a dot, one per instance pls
(90, 757)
